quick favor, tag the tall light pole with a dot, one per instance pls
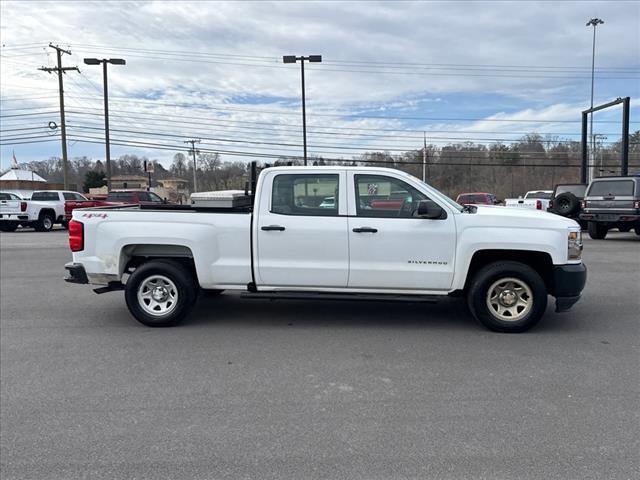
(294, 59)
(104, 62)
(593, 22)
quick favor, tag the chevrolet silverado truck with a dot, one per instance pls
(533, 200)
(274, 241)
(42, 211)
(11, 207)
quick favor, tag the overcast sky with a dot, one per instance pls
(213, 70)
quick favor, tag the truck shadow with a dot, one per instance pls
(449, 314)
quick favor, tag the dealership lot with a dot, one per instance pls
(288, 389)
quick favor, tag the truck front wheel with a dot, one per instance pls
(507, 297)
(160, 293)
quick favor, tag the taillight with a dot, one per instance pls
(23, 206)
(538, 205)
(76, 236)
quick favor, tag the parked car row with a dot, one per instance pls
(47, 208)
(604, 204)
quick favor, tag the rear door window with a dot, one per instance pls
(305, 194)
(45, 196)
(616, 188)
(120, 197)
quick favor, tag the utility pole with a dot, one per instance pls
(424, 159)
(193, 151)
(60, 70)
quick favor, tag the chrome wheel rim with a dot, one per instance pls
(509, 299)
(48, 224)
(158, 295)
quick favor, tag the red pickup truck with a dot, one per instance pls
(113, 198)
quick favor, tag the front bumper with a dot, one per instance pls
(77, 273)
(568, 282)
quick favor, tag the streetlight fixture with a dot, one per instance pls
(294, 59)
(593, 22)
(104, 62)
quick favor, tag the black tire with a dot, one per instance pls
(8, 226)
(65, 224)
(637, 230)
(597, 231)
(565, 204)
(185, 288)
(625, 228)
(45, 222)
(489, 277)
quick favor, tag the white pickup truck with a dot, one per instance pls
(369, 244)
(11, 206)
(532, 200)
(42, 211)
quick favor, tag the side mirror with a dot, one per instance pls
(430, 209)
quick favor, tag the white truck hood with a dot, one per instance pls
(517, 217)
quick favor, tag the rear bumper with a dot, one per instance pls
(76, 273)
(14, 217)
(568, 283)
(613, 217)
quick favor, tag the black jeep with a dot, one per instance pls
(566, 201)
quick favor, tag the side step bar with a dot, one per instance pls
(371, 297)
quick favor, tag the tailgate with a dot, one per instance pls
(10, 206)
(521, 203)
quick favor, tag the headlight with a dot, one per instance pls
(574, 246)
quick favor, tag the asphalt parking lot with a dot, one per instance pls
(296, 390)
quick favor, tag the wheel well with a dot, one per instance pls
(47, 210)
(133, 256)
(541, 262)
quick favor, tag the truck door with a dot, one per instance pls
(391, 248)
(301, 231)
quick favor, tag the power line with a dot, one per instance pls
(343, 160)
(377, 64)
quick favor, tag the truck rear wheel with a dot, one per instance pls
(45, 222)
(160, 293)
(597, 231)
(507, 297)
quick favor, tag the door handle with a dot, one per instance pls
(269, 228)
(365, 230)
